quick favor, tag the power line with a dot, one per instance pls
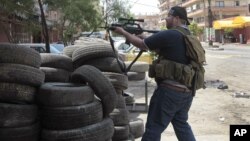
(136, 2)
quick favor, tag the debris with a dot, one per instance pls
(241, 94)
(223, 86)
(222, 119)
(216, 84)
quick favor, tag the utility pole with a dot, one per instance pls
(210, 23)
(44, 27)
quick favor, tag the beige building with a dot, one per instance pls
(151, 22)
(198, 10)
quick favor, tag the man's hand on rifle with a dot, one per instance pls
(118, 30)
(134, 39)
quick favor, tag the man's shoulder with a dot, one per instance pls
(171, 31)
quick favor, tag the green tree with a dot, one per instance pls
(75, 15)
(44, 26)
(116, 9)
(195, 29)
(228, 31)
(17, 11)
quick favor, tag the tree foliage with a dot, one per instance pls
(75, 15)
(17, 6)
(195, 29)
(116, 9)
(17, 11)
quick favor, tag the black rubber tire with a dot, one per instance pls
(130, 138)
(118, 91)
(106, 64)
(55, 75)
(68, 51)
(16, 93)
(64, 94)
(129, 98)
(136, 76)
(25, 133)
(120, 102)
(83, 54)
(15, 73)
(99, 83)
(63, 118)
(97, 132)
(14, 54)
(13, 115)
(56, 61)
(120, 117)
(138, 66)
(119, 81)
(136, 127)
(122, 56)
(121, 133)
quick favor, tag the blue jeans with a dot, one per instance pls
(167, 106)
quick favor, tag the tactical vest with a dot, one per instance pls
(191, 75)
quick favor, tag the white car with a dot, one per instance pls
(129, 52)
(122, 47)
(40, 47)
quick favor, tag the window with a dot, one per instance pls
(237, 3)
(198, 6)
(194, 7)
(219, 4)
(188, 9)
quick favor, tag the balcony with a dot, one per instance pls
(188, 2)
(226, 9)
(196, 12)
(163, 4)
(202, 24)
(230, 8)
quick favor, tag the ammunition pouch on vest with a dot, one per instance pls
(166, 69)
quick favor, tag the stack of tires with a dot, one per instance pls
(19, 79)
(120, 115)
(101, 56)
(57, 67)
(82, 42)
(78, 110)
(137, 71)
(69, 111)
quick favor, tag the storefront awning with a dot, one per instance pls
(222, 24)
(245, 20)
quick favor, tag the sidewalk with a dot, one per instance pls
(198, 138)
(220, 45)
(169, 135)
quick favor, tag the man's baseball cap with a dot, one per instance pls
(180, 12)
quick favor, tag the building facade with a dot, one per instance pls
(151, 21)
(198, 11)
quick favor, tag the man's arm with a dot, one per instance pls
(136, 41)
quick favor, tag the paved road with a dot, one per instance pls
(231, 65)
(213, 110)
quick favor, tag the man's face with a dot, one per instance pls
(170, 21)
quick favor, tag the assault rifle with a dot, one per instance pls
(131, 26)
